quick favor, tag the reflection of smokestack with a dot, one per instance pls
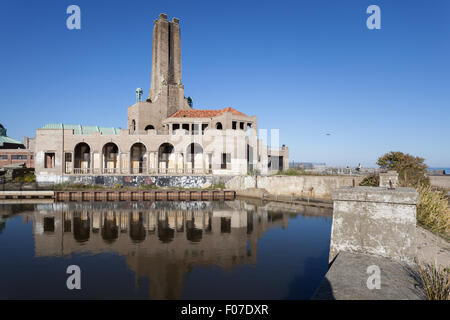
(124, 222)
(171, 220)
(110, 216)
(198, 223)
(152, 222)
(96, 220)
(179, 221)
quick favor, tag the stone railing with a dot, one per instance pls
(141, 170)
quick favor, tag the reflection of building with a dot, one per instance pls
(165, 135)
(162, 241)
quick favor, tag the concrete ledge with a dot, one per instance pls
(27, 193)
(376, 194)
(347, 280)
(376, 221)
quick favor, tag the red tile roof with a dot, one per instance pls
(204, 113)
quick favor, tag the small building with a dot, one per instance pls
(165, 135)
(15, 152)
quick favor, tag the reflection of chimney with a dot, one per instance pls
(124, 221)
(152, 222)
(198, 223)
(96, 220)
(171, 221)
(179, 220)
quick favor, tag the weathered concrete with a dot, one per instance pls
(34, 193)
(389, 177)
(319, 187)
(348, 276)
(375, 221)
(440, 181)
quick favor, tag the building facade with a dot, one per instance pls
(164, 135)
(15, 152)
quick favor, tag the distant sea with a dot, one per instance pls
(447, 169)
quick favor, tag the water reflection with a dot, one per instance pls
(162, 241)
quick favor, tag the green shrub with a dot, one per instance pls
(433, 211)
(372, 180)
(411, 170)
(29, 178)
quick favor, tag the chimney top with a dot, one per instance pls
(163, 16)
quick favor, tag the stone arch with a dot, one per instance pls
(149, 127)
(165, 160)
(194, 156)
(110, 154)
(137, 157)
(82, 157)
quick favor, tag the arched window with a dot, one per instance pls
(149, 127)
(110, 153)
(194, 152)
(164, 152)
(133, 125)
(219, 126)
(82, 157)
(137, 153)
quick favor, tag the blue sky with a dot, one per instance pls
(305, 67)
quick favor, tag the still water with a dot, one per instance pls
(163, 250)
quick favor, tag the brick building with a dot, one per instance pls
(13, 151)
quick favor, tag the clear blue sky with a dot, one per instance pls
(305, 67)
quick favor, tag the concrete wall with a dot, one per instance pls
(301, 186)
(131, 180)
(440, 181)
(376, 221)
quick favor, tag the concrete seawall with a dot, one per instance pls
(440, 181)
(319, 187)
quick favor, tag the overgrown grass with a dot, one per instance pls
(149, 186)
(436, 281)
(372, 180)
(219, 185)
(433, 211)
(77, 186)
(254, 172)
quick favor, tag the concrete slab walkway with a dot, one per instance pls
(347, 280)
